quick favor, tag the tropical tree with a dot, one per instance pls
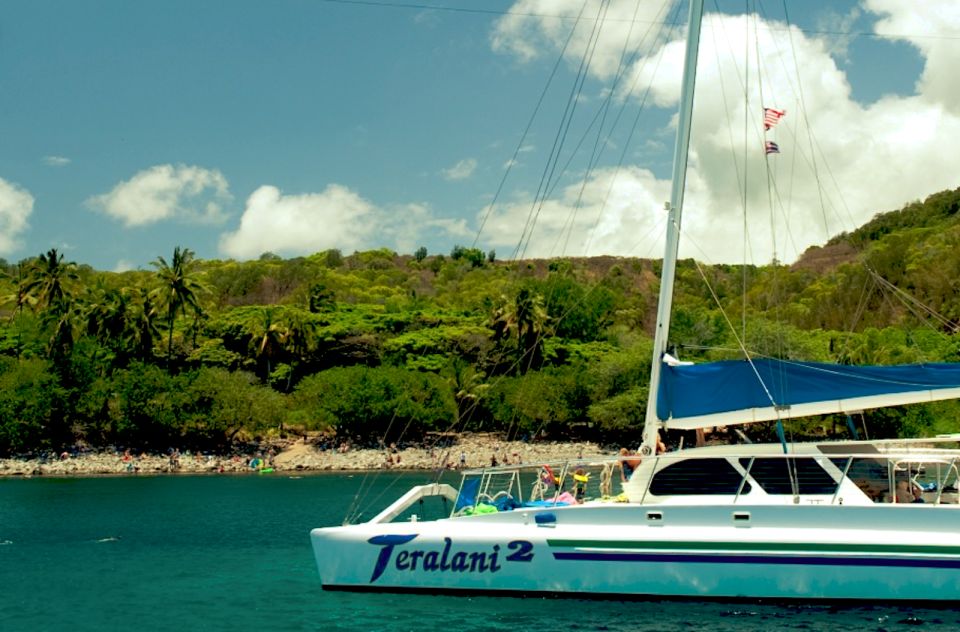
(531, 321)
(300, 339)
(106, 318)
(144, 328)
(48, 281)
(526, 318)
(18, 299)
(179, 289)
(267, 337)
(468, 386)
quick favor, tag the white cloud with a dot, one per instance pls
(56, 161)
(301, 224)
(461, 171)
(16, 205)
(124, 265)
(407, 226)
(533, 27)
(836, 23)
(165, 192)
(619, 212)
(930, 26)
(856, 159)
(334, 218)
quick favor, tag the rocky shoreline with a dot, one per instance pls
(299, 456)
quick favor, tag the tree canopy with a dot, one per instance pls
(378, 345)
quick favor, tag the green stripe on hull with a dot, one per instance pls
(823, 547)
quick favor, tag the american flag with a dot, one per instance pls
(771, 117)
(772, 147)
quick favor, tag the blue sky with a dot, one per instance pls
(235, 128)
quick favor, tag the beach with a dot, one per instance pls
(303, 456)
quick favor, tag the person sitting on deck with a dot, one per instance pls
(905, 494)
(627, 465)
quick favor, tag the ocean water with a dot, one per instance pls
(233, 552)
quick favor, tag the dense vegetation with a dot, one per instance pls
(380, 346)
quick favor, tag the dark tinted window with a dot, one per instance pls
(697, 476)
(773, 475)
(870, 475)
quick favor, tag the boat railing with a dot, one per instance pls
(855, 476)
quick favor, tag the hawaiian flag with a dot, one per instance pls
(771, 117)
(772, 147)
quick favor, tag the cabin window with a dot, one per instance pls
(870, 475)
(698, 477)
(773, 475)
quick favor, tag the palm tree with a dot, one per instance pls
(18, 299)
(267, 337)
(300, 339)
(106, 314)
(48, 281)
(179, 289)
(143, 325)
(527, 316)
(48, 286)
(468, 386)
(531, 319)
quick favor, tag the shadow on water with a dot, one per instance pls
(223, 552)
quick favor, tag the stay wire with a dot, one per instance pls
(565, 124)
(602, 113)
(629, 140)
(394, 4)
(552, 156)
(806, 120)
(526, 131)
(624, 64)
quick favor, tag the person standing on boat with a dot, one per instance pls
(627, 465)
(580, 480)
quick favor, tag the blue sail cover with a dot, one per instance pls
(720, 393)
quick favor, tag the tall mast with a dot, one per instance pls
(675, 210)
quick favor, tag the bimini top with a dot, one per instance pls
(741, 391)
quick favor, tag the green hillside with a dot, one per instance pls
(380, 346)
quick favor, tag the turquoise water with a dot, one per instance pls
(233, 552)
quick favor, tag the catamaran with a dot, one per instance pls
(851, 520)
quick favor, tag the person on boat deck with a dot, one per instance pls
(905, 494)
(627, 465)
(661, 446)
(549, 479)
(580, 478)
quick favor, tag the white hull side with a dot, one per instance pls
(893, 552)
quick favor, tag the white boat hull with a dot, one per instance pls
(882, 552)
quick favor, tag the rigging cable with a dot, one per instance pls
(629, 139)
(559, 138)
(806, 120)
(602, 114)
(526, 131)
(640, 109)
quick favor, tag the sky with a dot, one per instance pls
(528, 127)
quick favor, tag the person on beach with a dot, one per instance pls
(463, 459)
